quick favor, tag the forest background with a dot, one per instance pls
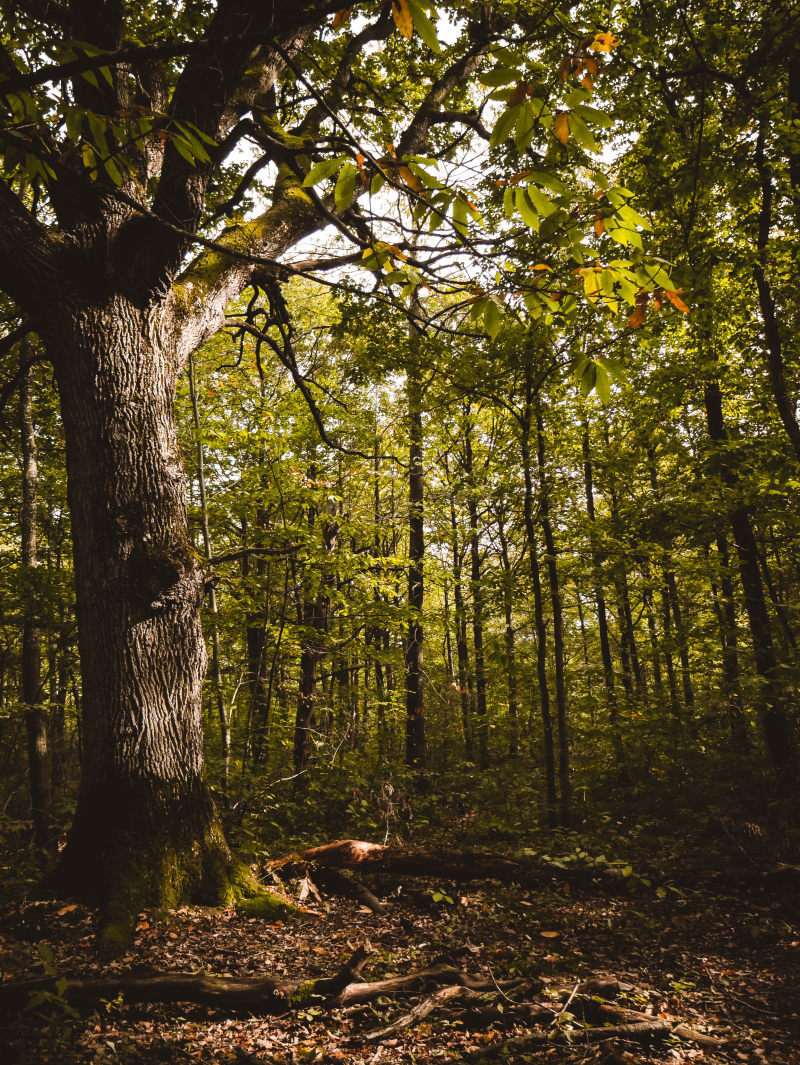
(486, 397)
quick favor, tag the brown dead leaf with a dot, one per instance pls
(341, 16)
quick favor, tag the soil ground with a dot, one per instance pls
(720, 955)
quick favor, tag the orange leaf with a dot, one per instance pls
(562, 126)
(341, 17)
(591, 64)
(360, 160)
(66, 909)
(599, 226)
(402, 17)
(676, 301)
(550, 935)
(605, 42)
(638, 316)
(564, 68)
(588, 83)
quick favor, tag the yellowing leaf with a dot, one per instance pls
(550, 935)
(676, 301)
(605, 42)
(410, 178)
(562, 126)
(402, 17)
(542, 266)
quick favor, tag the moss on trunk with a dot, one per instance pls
(143, 845)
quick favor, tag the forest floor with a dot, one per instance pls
(720, 955)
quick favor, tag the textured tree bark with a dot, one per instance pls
(31, 647)
(216, 670)
(145, 829)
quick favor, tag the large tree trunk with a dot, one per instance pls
(145, 829)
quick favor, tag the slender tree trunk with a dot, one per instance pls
(216, 668)
(652, 629)
(510, 642)
(730, 651)
(774, 704)
(602, 615)
(538, 606)
(145, 831)
(465, 685)
(683, 640)
(316, 621)
(476, 589)
(32, 693)
(564, 784)
(415, 708)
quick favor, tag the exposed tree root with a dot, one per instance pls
(476, 1000)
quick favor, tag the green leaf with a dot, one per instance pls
(377, 183)
(593, 114)
(183, 149)
(345, 187)
(72, 120)
(460, 216)
(581, 133)
(602, 382)
(113, 171)
(325, 168)
(543, 205)
(499, 75)
(503, 126)
(526, 210)
(508, 201)
(423, 25)
(492, 319)
(525, 127)
(548, 181)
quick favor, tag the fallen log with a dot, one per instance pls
(446, 864)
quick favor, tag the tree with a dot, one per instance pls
(133, 136)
